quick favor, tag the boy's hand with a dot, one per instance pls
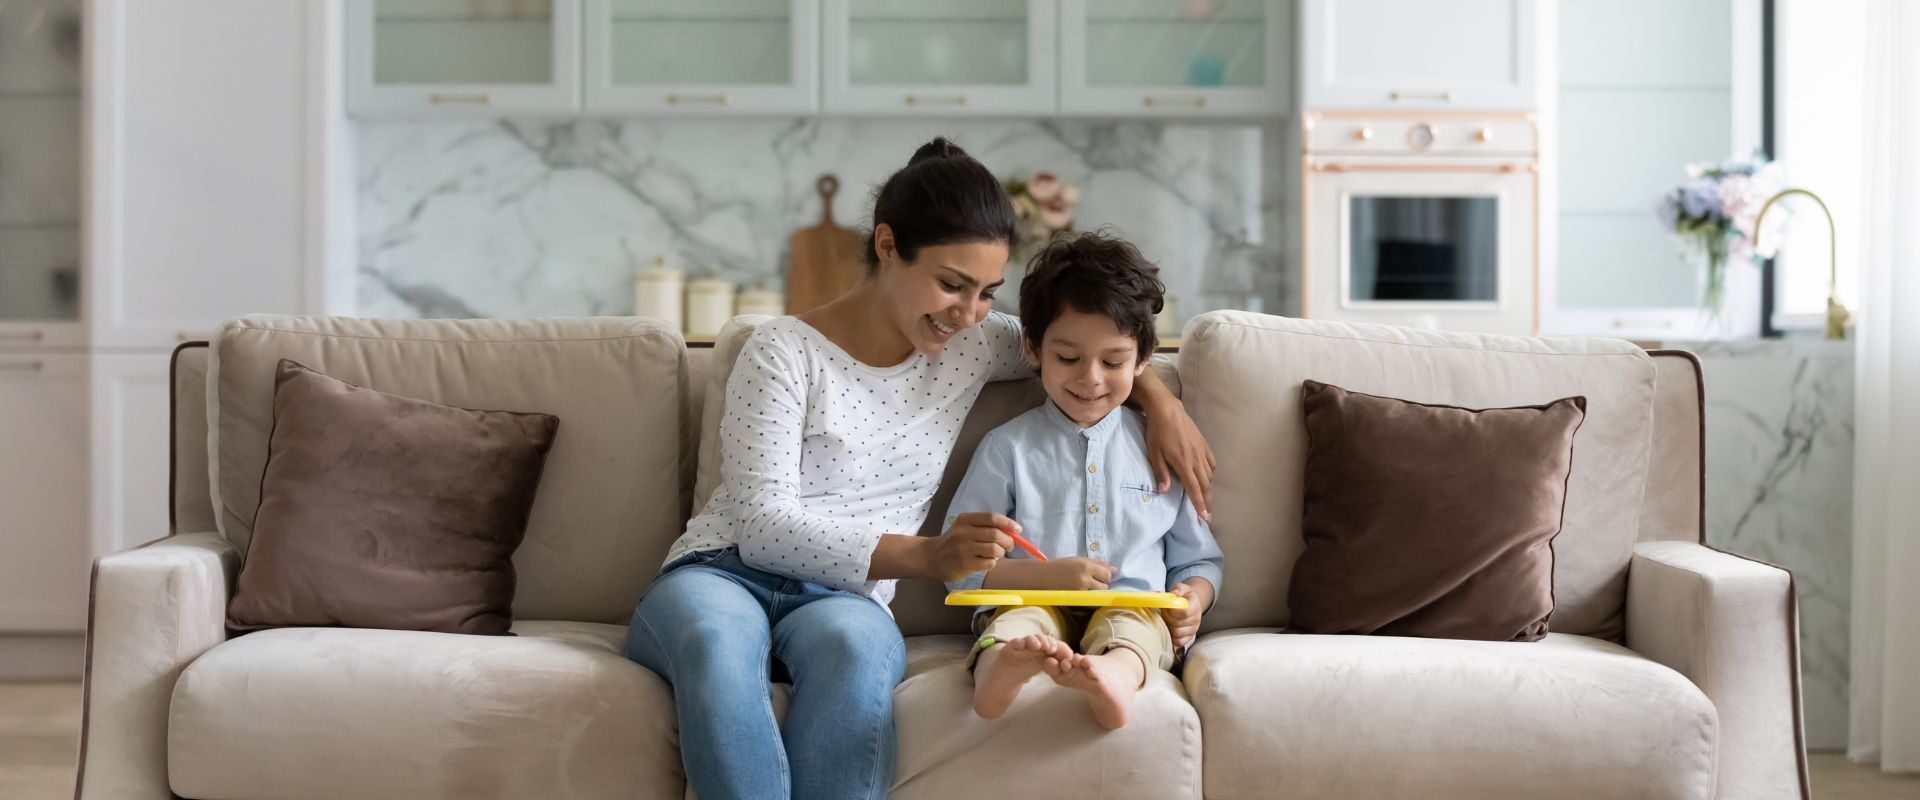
(1078, 572)
(1184, 623)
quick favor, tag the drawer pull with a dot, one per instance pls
(479, 99)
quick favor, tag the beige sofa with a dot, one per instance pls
(1672, 671)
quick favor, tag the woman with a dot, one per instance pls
(838, 427)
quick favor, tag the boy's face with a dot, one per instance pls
(1087, 364)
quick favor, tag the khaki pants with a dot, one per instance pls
(1098, 630)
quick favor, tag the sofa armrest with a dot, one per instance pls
(1731, 625)
(154, 609)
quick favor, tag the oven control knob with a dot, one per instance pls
(1363, 134)
(1420, 136)
(1484, 135)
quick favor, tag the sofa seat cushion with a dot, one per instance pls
(1303, 716)
(1046, 745)
(555, 711)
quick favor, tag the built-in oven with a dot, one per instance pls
(1428, 219)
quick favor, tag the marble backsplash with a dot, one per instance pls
(1779, 418)
(552, 218)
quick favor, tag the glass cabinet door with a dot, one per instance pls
(939, 57)
(462, 57)
(1180, 57)
(40, 136)
(702, 56)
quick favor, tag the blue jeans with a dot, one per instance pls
(714, 628)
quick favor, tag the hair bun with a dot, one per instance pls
(940, 147)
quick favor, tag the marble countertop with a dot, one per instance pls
(1760, 348)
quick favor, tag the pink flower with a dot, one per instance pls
(1054, 214)
(1043, 186)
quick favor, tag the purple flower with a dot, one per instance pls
(1701, 199)
(1666, 210)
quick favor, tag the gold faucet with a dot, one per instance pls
(1837, 315)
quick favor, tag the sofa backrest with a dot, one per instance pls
(1259, 549)
(618, 480)
(1242, 374)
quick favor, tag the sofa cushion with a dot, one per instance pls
(1241, 374)
(1047, 745)
(618, 478)
(1430, 520)
(1298, 715)
(381, 511)
(318, 713)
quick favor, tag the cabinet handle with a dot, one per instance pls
(21, 366)
(1444, 97)
(1173, 102)
(23, 336)
(936, 100)
(479, 99)
(722, 99)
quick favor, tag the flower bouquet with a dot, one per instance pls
(1045, 207)
(1712, 214)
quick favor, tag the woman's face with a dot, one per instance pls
(946, 289)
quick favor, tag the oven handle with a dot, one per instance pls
(1349, 166)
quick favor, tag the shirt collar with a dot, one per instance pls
(1095, 432)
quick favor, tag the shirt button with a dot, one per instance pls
(1093, 548)
(1092, 469)
(1093, 509)
(1146, 498)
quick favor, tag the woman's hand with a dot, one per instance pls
(1176, 449)
(975, 543)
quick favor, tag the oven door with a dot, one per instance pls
(1434, 244)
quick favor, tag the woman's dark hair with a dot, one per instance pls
(1095, 273)
(942, 196)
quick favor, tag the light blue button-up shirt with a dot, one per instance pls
(1088, 492)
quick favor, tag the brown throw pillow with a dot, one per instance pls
(380, 511)
(1430, 520)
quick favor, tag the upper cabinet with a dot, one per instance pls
(497, 58)
(702, 56)
(40, 197)
(1383, 54)
(939, 57)
(463, 57)
(1175, 57)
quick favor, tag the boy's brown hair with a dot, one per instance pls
(1094, 273)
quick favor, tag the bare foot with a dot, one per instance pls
(1004, 668)
(1108, 680)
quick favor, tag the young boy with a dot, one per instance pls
(1074, 475)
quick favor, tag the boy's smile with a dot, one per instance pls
(1087, 365)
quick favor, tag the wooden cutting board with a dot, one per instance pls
(824, 260)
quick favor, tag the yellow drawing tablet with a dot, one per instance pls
(1064, 597)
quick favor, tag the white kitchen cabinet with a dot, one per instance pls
(129, 454)
(208, 194)
(939, 58)
(1176, 58)
(702, 57)
(1385, 54)
(40, 111)
(43, 493)
(462, 58)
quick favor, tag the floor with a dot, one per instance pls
(40, 725)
